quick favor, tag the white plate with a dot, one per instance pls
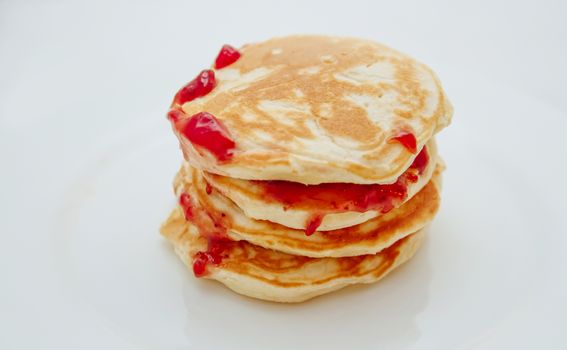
(93, 272)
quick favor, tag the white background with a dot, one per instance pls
(75, 76)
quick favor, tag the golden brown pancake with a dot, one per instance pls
(222, 216)
(317, 109)
(310, 165)
(270, 275)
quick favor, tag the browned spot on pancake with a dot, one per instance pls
(350, 121)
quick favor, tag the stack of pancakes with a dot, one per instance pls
(310, 165)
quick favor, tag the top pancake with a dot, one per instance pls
(316, 109)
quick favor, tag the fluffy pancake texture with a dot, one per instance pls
(249, 197)
(316, 109)
(310, 165)
(368, 238)
(275, 276)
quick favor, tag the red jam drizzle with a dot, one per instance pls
(313, 224)
(198, 87)
(341, 197)
(206, 131)
(175, 115)
(217, 249)
(187, 205)
(407, 139)
(420, 162)
(412, 177)
(209, 188)
(215, 232)
(227, 56)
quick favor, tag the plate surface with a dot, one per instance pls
(87, 159)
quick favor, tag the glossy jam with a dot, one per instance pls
(313, 223)
(175, 115)
(215, 232)
(198, 87)
(187, 205)
(340, 197)
(412, 177)
(206, 131)
(208, 225)
(227, 56)
(407, 140)
(420, 162)
(217, 249)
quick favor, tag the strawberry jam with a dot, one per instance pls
(313, 223)
(420, 162)
(206, 131)
(341, 197)
(218, 245)
(217, 249)
(227, 56)
(407, 139)
(209, 188)
(175, 115)
(198, 87)
(187, 205)
(200, 262)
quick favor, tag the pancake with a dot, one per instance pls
(215, 214)
(274, 276)
(251, 197)
(317, 109)
(310, 165)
